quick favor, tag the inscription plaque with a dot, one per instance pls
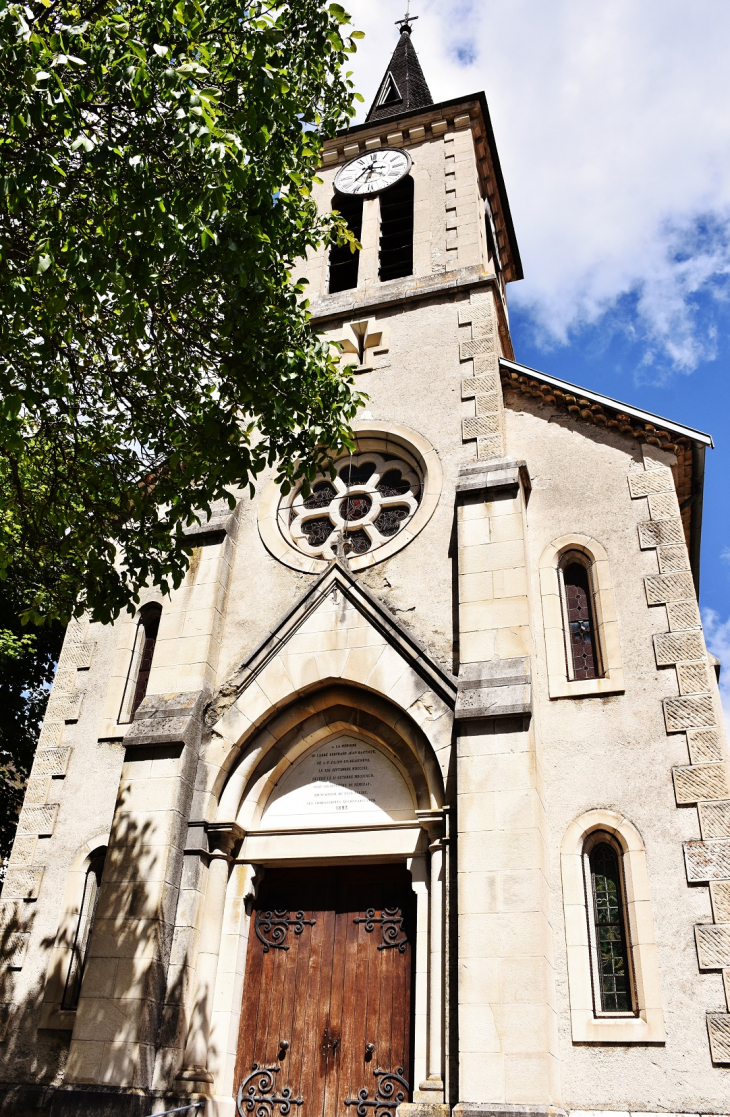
(345, 782)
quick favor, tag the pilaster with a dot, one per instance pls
(119, 1012)
(507, 1026)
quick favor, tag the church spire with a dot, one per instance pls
(404, 87)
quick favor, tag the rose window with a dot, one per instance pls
(370, 499)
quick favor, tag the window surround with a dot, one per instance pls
(152, 609)
(52, 1015)
(646, 1024)
(606, 634)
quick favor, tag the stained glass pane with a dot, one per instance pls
(581, 628)
(613, 972)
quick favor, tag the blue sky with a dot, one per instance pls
(612, 120)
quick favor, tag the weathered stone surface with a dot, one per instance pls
(651, 481)
(718, 1027)
(13, 949)
(720, 892)
(663, 506)
(64, 707)
(675, 647)
(690, 712)
(656, 533)
(713, 945)
(479, 425)
(704, 745)
(22, 884)
(76, 655)
(481, 386)
(495, 688)
(661, 588)
(700, 781)
(714, 819)
(489, 477)
(38, 820)
(693, 678)
(707, 860)
(51, 762)
(167, 719)
(672, 559)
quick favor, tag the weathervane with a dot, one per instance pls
(405, 23)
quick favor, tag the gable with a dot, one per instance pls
(338, 631)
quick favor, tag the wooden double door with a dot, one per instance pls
(326, 1025)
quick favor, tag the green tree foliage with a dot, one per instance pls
(156, 160)
(27, 662)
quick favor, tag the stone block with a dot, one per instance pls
(713, 945)
(51, 733)
(718, 1028)
(22, 884)
(650, 482)
(38, 820)
(705, 861)
(481, 386)
(462, 121)
(395, 139)
(490, 446)
(496, 688)
(51, 762)
(692, 711)
(700, 781)
(76, 656)
(672, 558)
(704, 745)
(714, 819)
(167, 719)
(663, 506)
(372, 144)
(64, 707)
(13, 950)
(23, 850)
(416, 135)
(683, 614)
(351, 150)
(37, 791)
(661, 588)
(658, 533)
(693, 678)
(675, 647)
(480, 425)
(720, 896)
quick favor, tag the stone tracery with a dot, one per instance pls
(370, 499)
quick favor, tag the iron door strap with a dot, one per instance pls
(257, 1094)
(391, 922)
(392, 1090)
(276, 924)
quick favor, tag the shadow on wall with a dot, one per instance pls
(136, 906)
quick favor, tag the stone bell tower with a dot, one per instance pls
(413, 797)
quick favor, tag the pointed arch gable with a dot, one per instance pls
(337, 634)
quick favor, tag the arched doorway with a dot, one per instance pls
(340, 800)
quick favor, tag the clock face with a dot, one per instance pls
(374, 171)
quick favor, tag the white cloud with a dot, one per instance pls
(614, 135)
(717, 635)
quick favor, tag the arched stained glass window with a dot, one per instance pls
(581, 646)
(82, 936)
(609, 930)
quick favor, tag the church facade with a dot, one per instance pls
(413, 797)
